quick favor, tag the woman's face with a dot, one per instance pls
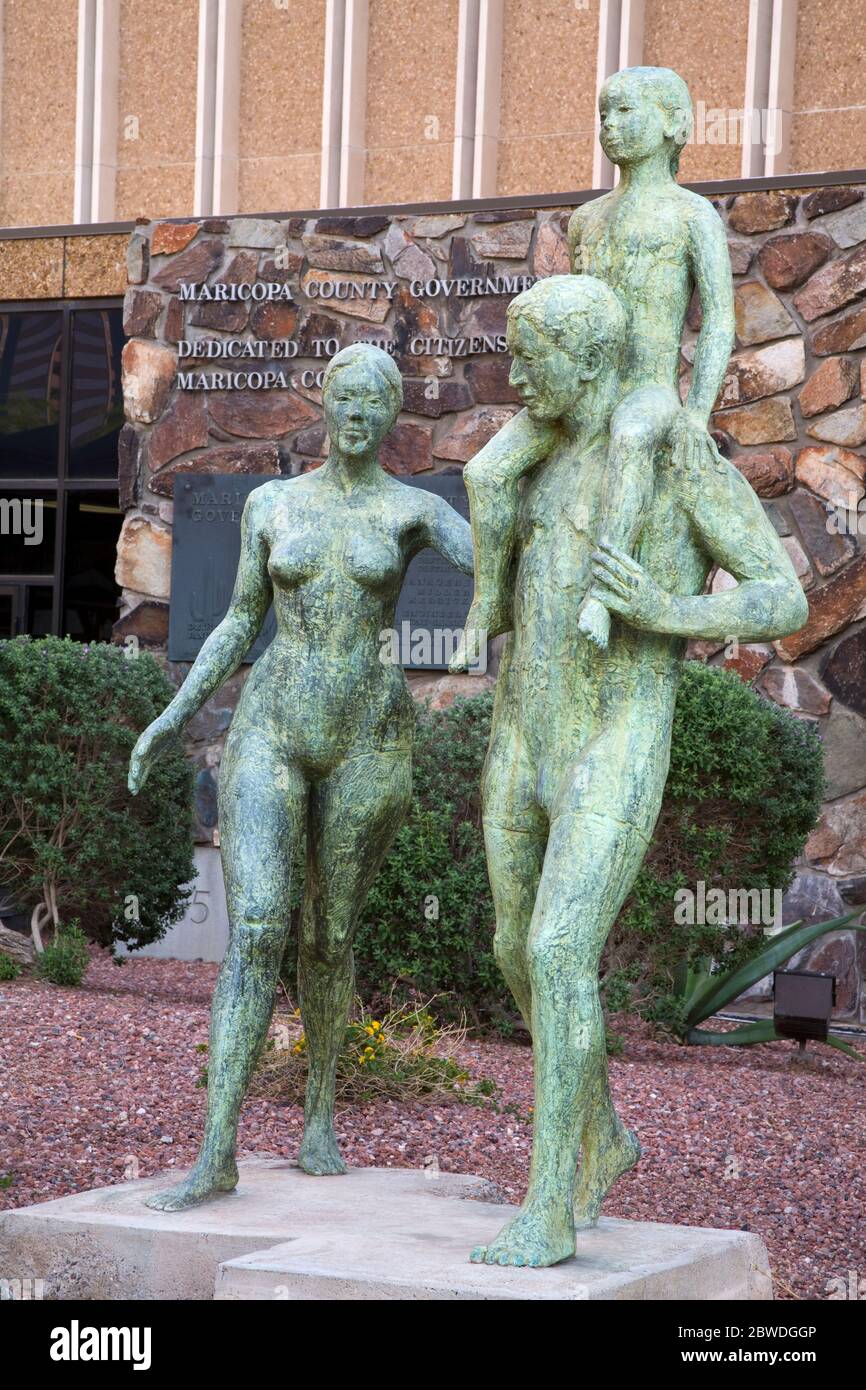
(358, 410)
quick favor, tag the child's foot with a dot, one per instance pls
(207, 1179)
(599, 1171)
(594, 623)
(319, 1153)
(473, 640)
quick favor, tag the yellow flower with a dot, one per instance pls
(361, 1060)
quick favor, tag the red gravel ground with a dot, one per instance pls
(98, 1084)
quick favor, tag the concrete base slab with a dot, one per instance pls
(375, 1233)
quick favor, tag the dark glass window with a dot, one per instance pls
(30, 380)
(96, 408)
(89, 591)
(61, 410)
(25, 608)
(27, 530)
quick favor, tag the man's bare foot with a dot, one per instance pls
(598, 1172)
(207, 1179)
(319, 1154)
(594, 623)
(536, 1236)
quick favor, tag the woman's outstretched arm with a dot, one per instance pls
(445, 530)
(224, 649)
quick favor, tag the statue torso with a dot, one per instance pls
(555, 681)
(641, 249)
(336, 563)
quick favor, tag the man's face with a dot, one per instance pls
(545, 378)
(633, 125)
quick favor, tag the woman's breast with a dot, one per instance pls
(371, 561)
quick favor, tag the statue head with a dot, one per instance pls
(362, 394)
(565, 333)
(643, 110)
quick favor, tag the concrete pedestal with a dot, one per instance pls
(375, 1233)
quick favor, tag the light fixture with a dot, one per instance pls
(803, 1001)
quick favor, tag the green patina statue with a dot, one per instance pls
(580, 741)
(623, 506)
(652, 242)
(597, 515)
(321, 742)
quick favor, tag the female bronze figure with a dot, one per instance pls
(321, 740)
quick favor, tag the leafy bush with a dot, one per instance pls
(73, 842)
(743, 793)
(64, 961)
(9, 968)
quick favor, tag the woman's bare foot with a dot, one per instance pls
(207, 1179)
(602, 1164)
(319, 1153)
(536, 1236)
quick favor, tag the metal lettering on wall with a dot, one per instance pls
(206, 547)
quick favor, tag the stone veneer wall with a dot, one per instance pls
(791, 415)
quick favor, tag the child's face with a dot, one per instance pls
(633, 125)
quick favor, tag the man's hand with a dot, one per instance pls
(624, 587)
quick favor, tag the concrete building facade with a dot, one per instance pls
(112, 109)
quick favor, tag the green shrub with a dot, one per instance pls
(743, 793)
(64, 961)
(73, 842)
(9, 968)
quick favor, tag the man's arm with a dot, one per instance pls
(768, 601)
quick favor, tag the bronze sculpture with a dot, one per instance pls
(321, 739)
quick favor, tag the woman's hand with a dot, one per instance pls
(624, 587)
(155, 739)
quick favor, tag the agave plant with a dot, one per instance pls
(704, 994)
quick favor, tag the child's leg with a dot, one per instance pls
(638, 426)
(491, 480)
